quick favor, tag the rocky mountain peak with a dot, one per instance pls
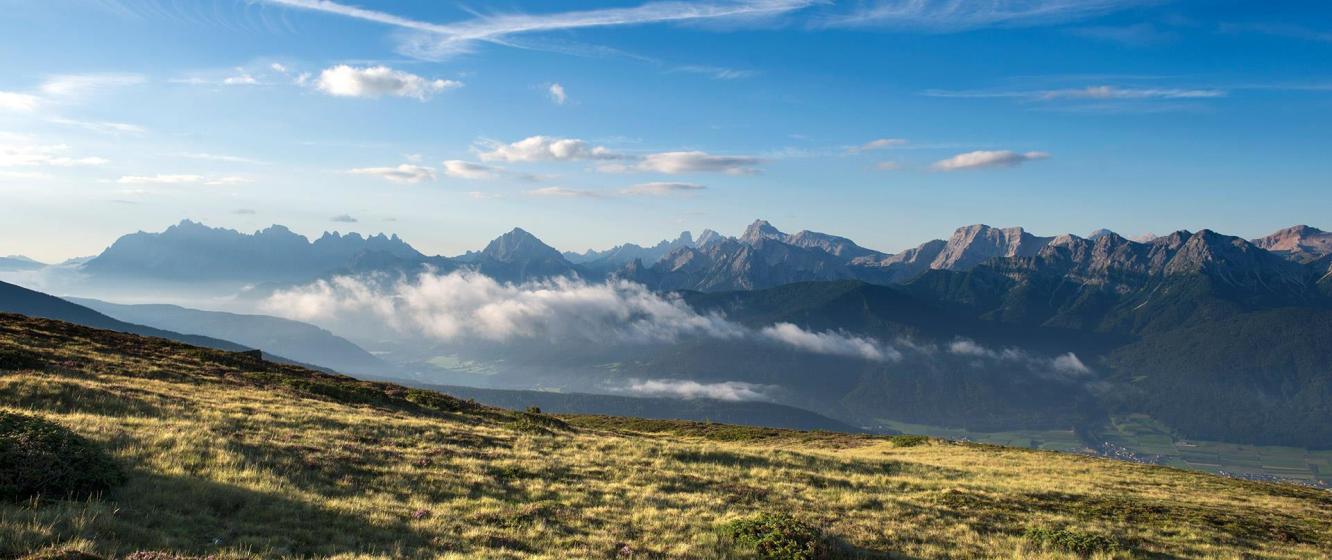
(760, 230)
(972, 245)
(518, 244)
(708, 236)
(1298, 243)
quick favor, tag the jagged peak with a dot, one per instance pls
(761, 229)
(518, 243)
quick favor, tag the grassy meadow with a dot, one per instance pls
(231, 457)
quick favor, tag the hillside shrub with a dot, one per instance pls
(777, 536)
(39, 458)
(908, 440)
(1071, 540)
(16, 359)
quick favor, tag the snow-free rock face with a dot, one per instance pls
(973, 245)
(1299, 243)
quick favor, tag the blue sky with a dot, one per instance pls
(890, 122)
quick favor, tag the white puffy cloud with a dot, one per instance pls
(734, 391)
(838, 344)
(468, 170)
(404, 173)
(546, 148)
(981, 159)
(557, 94)
(377, 81)
(675, 163)
(662, 188)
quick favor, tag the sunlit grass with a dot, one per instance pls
(264, 461)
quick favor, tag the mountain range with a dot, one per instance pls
(760, 257)
(1217, 336)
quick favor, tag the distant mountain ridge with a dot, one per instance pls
(761, 257)
(191, 251)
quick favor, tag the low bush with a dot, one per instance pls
(908, 440)
(17, 359)
(39, 458)
(1071, 540)
(777, 537)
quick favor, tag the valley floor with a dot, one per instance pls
(257, 460)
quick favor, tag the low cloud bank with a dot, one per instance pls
(837, 344)
(464, 305)
(734, 391)
(1065, 366)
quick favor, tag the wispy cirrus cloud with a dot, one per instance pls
(65, 89)
(25, 151)
(679, 163)
(954, 15)
(226, 158)
(160, 179)
(15, 101)
(877, 144)
(1097, 92)
(469, 170)
(982, 159)
(440, 40)
(405, 173)
(716, 72)
(662, 189)
(562, 192)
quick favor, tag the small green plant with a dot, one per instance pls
(538, 424)
(39, 458)
(1071, 540)
(777, 536)
(908, 440)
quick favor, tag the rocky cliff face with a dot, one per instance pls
(973, 245)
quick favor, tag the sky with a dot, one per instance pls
(592, 124)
